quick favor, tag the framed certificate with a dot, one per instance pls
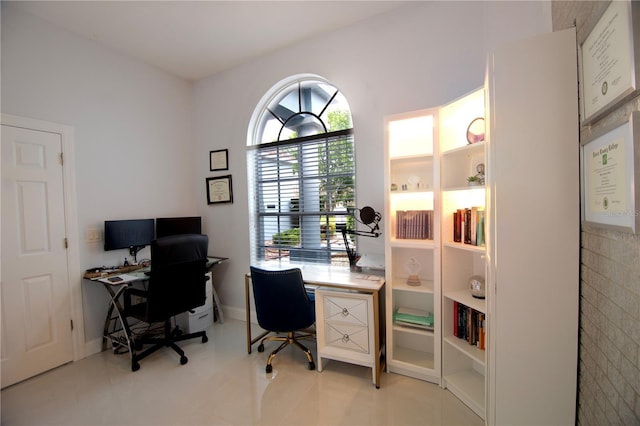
(610, 176)
(609, 56)
(219, 190)
(219, 160)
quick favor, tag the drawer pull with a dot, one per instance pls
(345, 338)
(345, 312)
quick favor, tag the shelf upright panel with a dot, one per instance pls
(412, 188)
(533, 227)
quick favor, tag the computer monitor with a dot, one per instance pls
(133, 234)
(167, 226)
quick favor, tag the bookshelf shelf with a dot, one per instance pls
(468, 386)
(463, 246)
(465, 348)
(463, 296)
(465, 149)
(411, 243)
(464, 188)
(412, 157)
(400, 193)
(411, 192)
(414, 358)
(400, 284)
(405, 329)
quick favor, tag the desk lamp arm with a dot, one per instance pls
(368, 217)
(133, 251)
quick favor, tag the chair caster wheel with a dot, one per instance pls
(183, 360)
(260, 347)
(312, 365)
(269, 369)
(135, 366)
(205, 339)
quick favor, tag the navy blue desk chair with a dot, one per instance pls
(283, 306)
(177, 284)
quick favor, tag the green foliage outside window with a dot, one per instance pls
(290, 237)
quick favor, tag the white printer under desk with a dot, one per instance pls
(202, 317)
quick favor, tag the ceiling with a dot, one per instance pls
(196, 39)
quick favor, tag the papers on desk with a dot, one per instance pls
(368, 277)
(372, 261)
(118, 279)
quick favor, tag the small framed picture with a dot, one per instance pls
(219, 190)
(219, 160)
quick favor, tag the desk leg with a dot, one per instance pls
(247, 308)
(216, 304)
(111, 330)
(376, 324)
(106, 333)
(107, 324)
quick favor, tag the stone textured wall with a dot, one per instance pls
(609, 367)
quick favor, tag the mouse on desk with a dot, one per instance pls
(147, 273)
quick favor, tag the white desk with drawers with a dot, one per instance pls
(349, 315)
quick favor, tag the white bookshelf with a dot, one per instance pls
(463, 364)
(412, 183)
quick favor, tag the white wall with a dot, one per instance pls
(133, 131)
(135, 126)
(419, 56)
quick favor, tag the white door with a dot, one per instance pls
(36, 315)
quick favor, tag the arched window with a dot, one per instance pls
(301, 168)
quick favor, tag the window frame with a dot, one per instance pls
(330, 253)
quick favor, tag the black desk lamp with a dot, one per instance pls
(368, 217)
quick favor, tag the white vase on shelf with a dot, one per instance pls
(413, 268)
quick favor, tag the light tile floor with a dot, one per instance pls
(223, 385)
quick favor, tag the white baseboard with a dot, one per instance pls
(238, 314)
(93, 347)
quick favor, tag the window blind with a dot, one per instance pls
(302, 189)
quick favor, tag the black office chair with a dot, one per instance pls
(177, 284)
(283, 306)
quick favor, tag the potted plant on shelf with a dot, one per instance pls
(474, 181)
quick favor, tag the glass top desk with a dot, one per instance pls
(117, 279)
(332, 281)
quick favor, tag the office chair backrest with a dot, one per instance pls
(282, 303)
(177, 279)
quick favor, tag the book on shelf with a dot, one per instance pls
(474, 225)
(457, 227)
(414, 224)
(480, 228)
(413, 318)
(468, 226)
(455, 319)
(469, 325)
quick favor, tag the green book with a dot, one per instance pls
(413, 316)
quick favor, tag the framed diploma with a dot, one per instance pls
(219, 190)
(219, 160)
(610, 176)
(609, 60)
